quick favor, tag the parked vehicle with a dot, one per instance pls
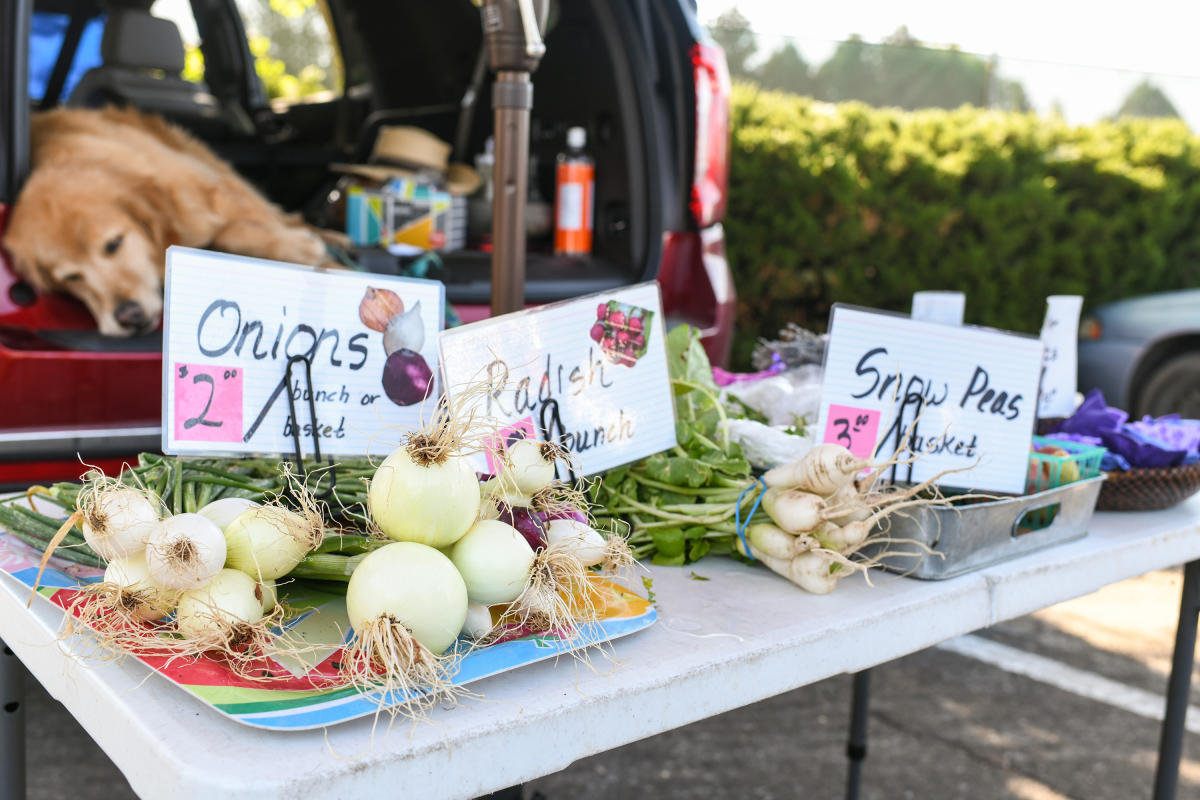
(641, 76)
(1144, 353)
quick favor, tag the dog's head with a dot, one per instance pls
(94, 234)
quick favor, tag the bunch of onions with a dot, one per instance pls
(535, 539)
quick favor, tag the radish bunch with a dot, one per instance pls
(207, 578)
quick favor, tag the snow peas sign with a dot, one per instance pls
(966, 397)
(590, 374)
(232, 326)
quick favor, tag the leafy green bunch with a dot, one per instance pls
(680, 505)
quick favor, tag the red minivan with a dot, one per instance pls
(282, 90)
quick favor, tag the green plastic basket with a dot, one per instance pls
(1048, 471)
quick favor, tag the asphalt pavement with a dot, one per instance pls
(1061, 704)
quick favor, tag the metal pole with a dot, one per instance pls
(12, 726)
(856, 747)
(1170, 745)
(512, 99)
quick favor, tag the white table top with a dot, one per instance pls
(737, 638)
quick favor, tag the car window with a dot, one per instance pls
(295, 51)
(180, 12)
(47, 33)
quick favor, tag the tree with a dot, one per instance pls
(906, 73)
(1146, 100)
(732, 31)
(786, 70)
(1010, 96)
(851, 72)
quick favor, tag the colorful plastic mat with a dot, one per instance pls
(292, 696)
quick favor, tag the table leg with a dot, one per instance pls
(12, 726)
(856, 747)
(1170, 746)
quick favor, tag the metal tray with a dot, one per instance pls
(967, 538)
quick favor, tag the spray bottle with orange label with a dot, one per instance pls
(575, 179)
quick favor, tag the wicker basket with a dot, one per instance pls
(1148, 489)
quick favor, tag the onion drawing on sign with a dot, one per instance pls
(621, 330)
(407, 377)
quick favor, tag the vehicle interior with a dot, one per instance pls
(284, 89)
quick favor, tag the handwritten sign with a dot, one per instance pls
(208, 403)
(590, 374)
(232, 325)
(856, 429)
(966, 401)
(1060, 337)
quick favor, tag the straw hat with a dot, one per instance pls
(402, 151)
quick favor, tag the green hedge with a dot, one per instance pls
(847, 203)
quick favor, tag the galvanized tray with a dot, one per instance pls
(974, 536)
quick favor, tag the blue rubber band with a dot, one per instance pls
(737, 517)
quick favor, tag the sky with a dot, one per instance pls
(1086, 56)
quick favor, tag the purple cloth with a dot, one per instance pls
(1171, 432)
(722, 377)
(1147, 444)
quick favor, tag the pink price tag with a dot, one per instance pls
(853, 428)
(208, 403)
(521, 429)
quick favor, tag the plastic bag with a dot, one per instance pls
(766, 447)
(784, 399)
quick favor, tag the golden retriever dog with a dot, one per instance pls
(111, 190)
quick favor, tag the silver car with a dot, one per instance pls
(1144, 353)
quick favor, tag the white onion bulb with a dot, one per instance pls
(414, 585)
(185, 551)
(479, 621)
(132, 575)
(494, 560)
(528, 467)
(268, 542)
(118, 522)
(270, 595)
(432, 504)
(228, 599)
(405, 331)
(226, 510)
(586, 544)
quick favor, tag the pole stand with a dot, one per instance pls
(12, 725)
(1170, 745)
(856, 746)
